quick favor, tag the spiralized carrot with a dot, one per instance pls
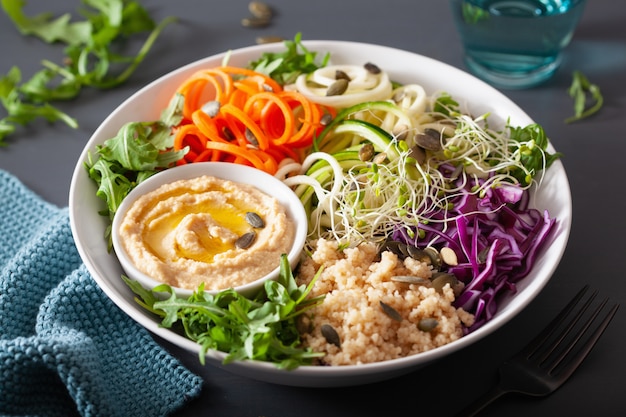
(256, 122)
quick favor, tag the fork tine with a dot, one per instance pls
(524, 372)
(568, 328)
(545, 334)
(569, 366)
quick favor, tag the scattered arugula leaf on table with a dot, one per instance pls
(581, 90)
(261, 328)
(91, 59)
(20, 112)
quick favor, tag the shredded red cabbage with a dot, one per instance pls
(495, 237)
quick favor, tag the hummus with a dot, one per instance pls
(186, 233)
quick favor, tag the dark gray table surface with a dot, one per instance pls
(43, 157)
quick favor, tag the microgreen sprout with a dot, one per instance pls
(365, 200)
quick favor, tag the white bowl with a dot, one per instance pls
(88, 226)
(233, 172)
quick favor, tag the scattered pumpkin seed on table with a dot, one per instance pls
(260, 10)
(261, 15)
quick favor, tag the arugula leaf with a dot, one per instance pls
(134, 150)
(20, 112)
(42, 25)
(579, 91)
(113, 183)
(138, 151)
(286, 66)
(90, 57)
(172, 115)
(260, 328)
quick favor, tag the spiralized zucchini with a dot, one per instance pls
(352, 198)
(363, 85)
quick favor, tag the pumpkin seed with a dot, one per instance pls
(435, 258)
(393, 246)
(390, 311)
(246, 240)
(448, 256)
(330, 334)
(255, 220)
(418, 153)
(404, 248)
(251, 138)
(260, 10)
(409, 279)
(211, 108)
(428, 141)
(337, 88)
(419, 254)
(262, 40)
(341, 75)
(400, 131)
(401, 135)
(366, 152)
(255, 22)
(372, 68)
(380, 158)
(228, 134)
(441, 279)
(427, 324)
(432, 132)
(326, 119)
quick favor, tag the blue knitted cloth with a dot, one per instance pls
(65, 348)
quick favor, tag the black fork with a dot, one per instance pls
(553, 355)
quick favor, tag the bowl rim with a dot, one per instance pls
(348, 374)
(225, 171)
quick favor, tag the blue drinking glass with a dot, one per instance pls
(515, 43)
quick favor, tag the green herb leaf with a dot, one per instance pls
(133, 155)
(43, 26)
(261, 328)
(445, 104)
(113, 184)
(90, 60)
(20, 112)
(172, 115)
(286, 66)
(138, 151)
(581, 90)
(134, 150)
(531, 143)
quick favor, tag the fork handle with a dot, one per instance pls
(483, 401)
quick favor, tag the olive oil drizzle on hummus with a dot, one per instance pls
(190, 231)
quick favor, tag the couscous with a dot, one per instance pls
(361, 302)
